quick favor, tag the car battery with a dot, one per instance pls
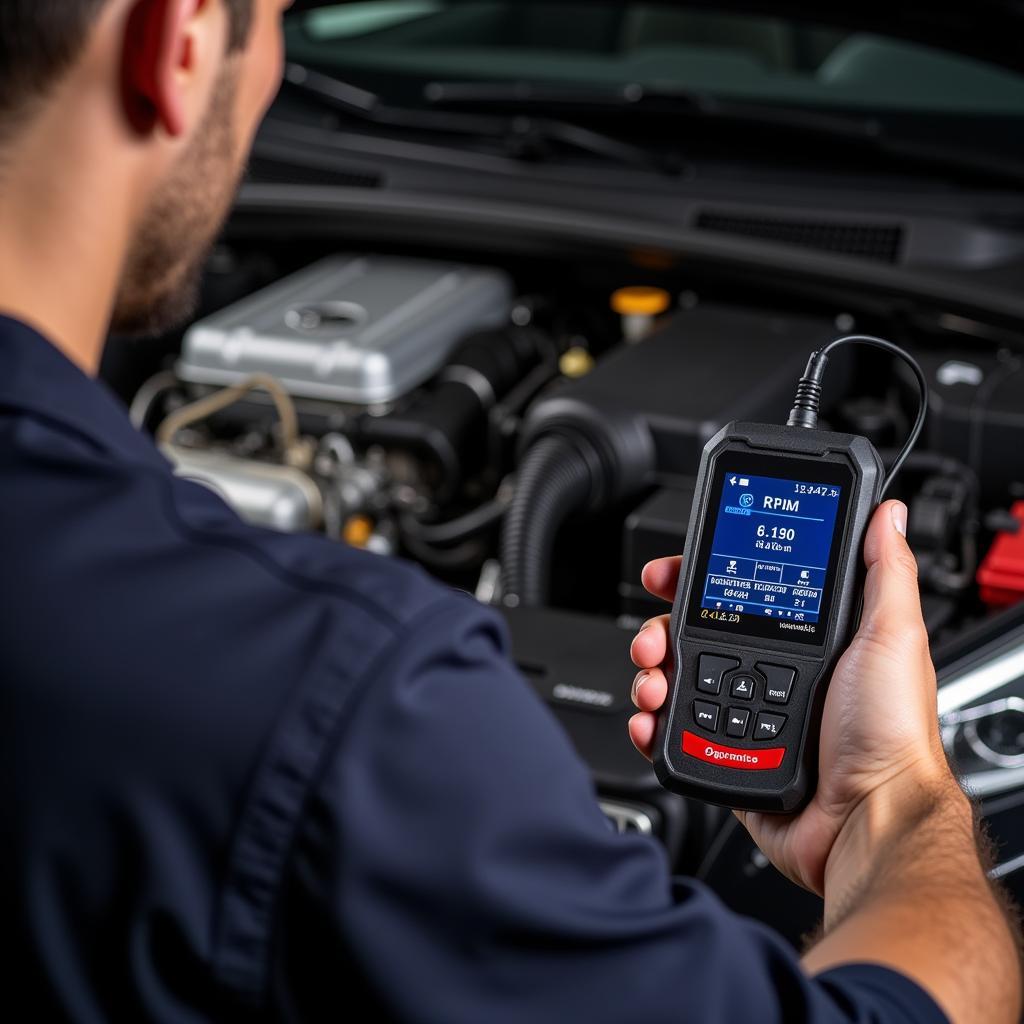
(1001, 575)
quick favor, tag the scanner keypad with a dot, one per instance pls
(753, 698)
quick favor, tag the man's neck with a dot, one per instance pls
(64, 228)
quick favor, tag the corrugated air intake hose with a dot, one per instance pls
(575, 458)
(554, 480)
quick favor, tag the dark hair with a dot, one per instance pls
(40, 39)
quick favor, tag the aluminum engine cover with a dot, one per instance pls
(360, 330)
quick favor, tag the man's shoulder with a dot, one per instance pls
(386, 595)
(145, 576)
(174, 679)
(144, 519)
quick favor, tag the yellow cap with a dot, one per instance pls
(576, 362)
(641, 301)
(358, 531)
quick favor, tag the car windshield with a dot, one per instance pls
(396, 47)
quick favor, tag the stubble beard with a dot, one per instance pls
(160, 286)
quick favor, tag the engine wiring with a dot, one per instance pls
(202, 409)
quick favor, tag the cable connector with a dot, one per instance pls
(808, 394)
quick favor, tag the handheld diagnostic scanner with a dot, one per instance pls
(769, 597)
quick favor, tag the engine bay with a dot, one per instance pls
(418, 391)
(529, 431)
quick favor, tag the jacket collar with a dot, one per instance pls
(37, 378)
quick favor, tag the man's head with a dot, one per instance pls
(188, 81)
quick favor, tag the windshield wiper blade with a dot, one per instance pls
(525, 137)
(633, 96)
(483, 94)
(865, 132)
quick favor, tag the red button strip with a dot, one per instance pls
(732, 757)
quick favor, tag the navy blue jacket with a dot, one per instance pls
(250, 776)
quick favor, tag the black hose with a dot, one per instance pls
(554, 479)
(480, 520)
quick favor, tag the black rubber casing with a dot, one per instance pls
(787, 788)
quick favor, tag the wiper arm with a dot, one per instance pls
(636, 97)
(368, 106)
(866, 132)
(524, 136)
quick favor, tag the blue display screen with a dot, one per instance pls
(770, 551)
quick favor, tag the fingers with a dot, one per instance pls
(661, 576)
(650, 689)
(648, 651)
(892, 601)
(641, 732)
(650, 645)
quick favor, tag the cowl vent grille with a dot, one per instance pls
(881, 242)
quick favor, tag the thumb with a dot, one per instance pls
(892, 601)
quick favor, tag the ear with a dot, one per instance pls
(159, 54)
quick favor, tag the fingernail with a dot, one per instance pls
(899, 518)
(641, 678)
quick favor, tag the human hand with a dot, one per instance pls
(879, 733)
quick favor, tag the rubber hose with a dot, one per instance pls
(553, 481)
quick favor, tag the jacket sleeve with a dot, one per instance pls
(453, 866)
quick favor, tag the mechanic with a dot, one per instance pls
(261, 777)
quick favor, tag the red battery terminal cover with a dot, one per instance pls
(1001, 575)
